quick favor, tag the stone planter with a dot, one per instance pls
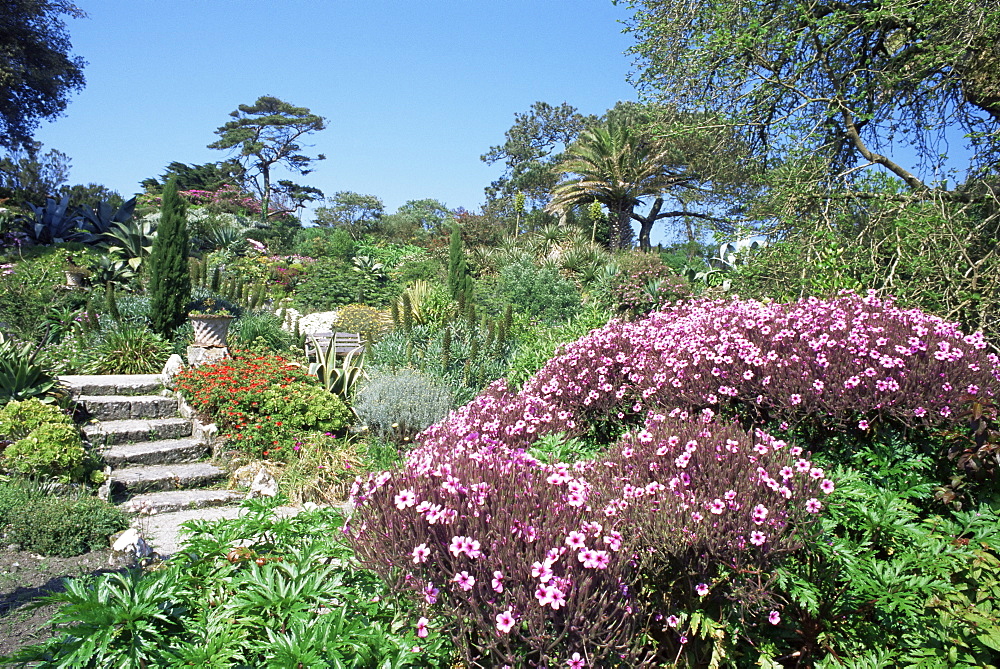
(210, 330)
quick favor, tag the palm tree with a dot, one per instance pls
(617, 165)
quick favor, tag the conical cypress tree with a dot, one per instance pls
(459, 279)
(170, 281)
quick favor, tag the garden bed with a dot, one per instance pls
(24, 577)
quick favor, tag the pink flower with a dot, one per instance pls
(542, 571)
(464, 580)
(420, 553)
(614, 540)
(576, 662)
(576, 540)
(422, 627)
(774, 617)
(759, 514)
(498, 581)
(505, 621)
(701, 589)
(863, 424)
(813, 505)
(757, 538)
(826, 486)
(672, 621)
(431, 593)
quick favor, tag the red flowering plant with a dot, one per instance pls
(263, 404)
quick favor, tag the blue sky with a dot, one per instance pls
(413, 92)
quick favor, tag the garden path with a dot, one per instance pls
(158, 462)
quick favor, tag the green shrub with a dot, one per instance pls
(538, 345)
(130, 349)
(429, 269)
(30, 291)
(259, 330)
(400, 404)
(64, 526)
(369, 321)
(540, 292)
(305, 405)
(324, 243)
(19, 419)
(50, 451)
(328, 284)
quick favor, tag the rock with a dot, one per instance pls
(104, 492)
(175, 363)
(129, 547)
(258, 477)
(264, 485)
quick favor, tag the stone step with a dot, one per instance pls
(163, 452)
(181, 500)
(122, 407)
(151, 478)
(113, 384)
(112, 432)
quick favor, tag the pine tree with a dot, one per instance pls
(170, 280)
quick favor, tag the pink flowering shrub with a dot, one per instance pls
(540, 561)
(838, 360)
(494, 539)
(560, 563)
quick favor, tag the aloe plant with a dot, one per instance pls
(338, 376)
(132, 240)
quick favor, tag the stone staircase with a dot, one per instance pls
(158, 459)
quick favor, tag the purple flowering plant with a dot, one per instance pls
(686, 510)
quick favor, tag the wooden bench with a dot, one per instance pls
(343, 342)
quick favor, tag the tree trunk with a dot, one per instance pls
(646, 225)
(621, 227)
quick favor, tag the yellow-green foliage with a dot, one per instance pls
(372, 323)
(19, 419)
(50, 451)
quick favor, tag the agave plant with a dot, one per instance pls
(223, 235)
(95, 223)
(52, 224)
(369, 267)
(339, 377)
(108, 269)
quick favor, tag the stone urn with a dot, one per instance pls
(210, 329)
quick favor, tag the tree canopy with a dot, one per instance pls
(533, 149)
(265, 135)
(850, 80)
(37, 72)
(356, 213)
